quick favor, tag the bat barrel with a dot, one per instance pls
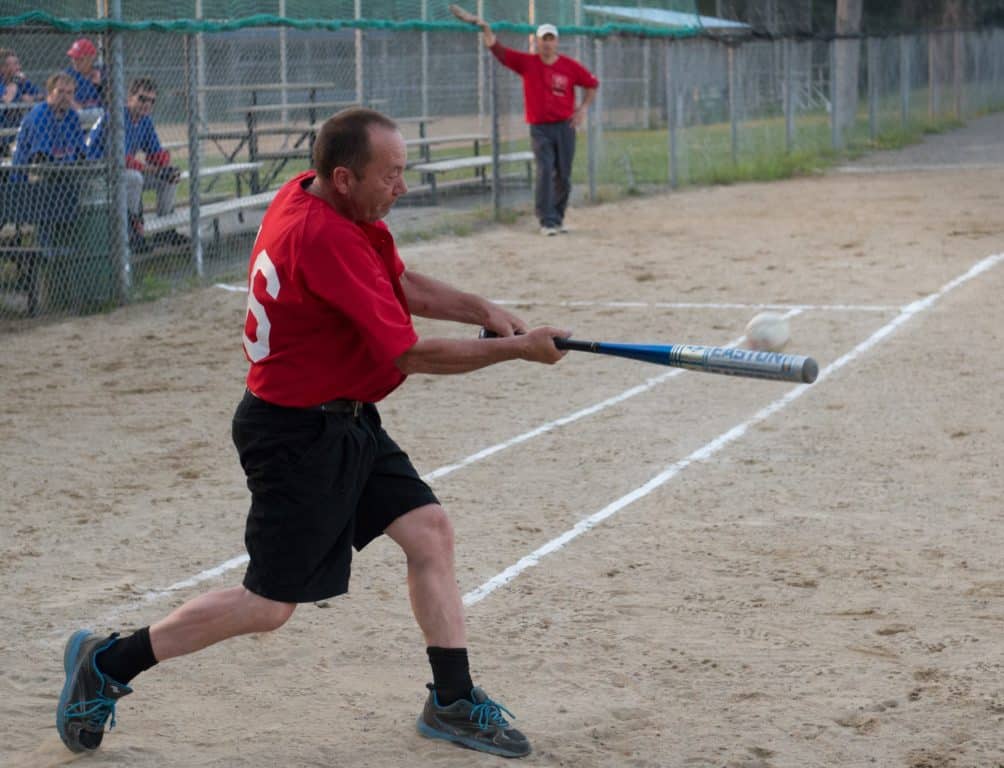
(745, 362)
(730, 361)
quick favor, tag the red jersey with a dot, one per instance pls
(548, 89)
(327, 315)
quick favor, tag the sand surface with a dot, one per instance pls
(788, 576)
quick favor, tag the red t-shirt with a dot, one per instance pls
(326, 313)
(548, 89)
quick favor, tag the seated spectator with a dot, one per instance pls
(152, 171)
(51, 132)
(88, 96)
(18, 90)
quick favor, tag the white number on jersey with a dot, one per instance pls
(258, 350)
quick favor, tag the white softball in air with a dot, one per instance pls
(768, 332)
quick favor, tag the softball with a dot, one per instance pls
(768, 332)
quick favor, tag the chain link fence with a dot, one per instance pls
(236, 108)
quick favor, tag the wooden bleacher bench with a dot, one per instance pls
(217, 170)
(181, 217)
(458, 138)
(290, 153)
(477, 162)
(425, 143)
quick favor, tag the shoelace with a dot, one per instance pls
(94, 712)
(489, 712)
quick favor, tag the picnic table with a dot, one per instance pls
(301, 135)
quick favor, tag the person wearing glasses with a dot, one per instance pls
(148, 164)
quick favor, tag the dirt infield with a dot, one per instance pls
(806, 580)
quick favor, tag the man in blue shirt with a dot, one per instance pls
(18, 96)
(51, 132)
(151, 171)
(88, 96)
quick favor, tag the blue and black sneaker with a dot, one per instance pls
(475, 723)
(88, 698)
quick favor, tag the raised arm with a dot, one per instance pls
(486, 33)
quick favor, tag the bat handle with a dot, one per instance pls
(574, 344)
(560, 343)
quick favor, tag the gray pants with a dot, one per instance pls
(554, 150)
(136, 182)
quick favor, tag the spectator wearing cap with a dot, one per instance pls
(549, 81)
(88, 98)
(18, 96)
(148, 164)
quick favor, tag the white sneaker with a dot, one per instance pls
(563, 229)
(548, 231)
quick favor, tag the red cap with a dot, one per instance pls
(82, 47)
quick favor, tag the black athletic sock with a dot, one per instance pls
(127, 656)
(451, 674)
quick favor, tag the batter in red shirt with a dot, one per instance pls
(549, 81)
(328, 333)
(327, 316)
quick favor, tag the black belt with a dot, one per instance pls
(353, 407)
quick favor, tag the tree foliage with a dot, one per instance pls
(878, 16)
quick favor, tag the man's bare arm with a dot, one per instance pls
(486, 33)
(583, 109)
(428, 297)
(446, 356)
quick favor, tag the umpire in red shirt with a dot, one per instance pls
(328, 333)
(549, 81)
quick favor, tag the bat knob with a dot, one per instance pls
(810, 370)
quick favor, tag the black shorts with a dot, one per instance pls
(320, 484)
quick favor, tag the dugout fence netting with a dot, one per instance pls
(241, 87)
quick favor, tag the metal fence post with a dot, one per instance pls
(646, 84)
(932, 77)
(425, 61)
(872, 53)
(194, 158)
(789, 101)
(493, 105)
(733, 104)
(836, 139)
(481, 68)
(671, 107)
(958, 61)
(115, 158)
(595, 119)
(357, 37)
(904, 80)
